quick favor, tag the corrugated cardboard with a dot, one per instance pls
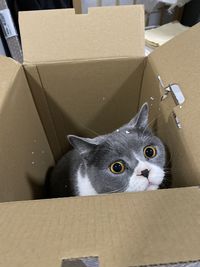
(93, 91)
(96, 68)
(85, 37)
(87, 91)
(178, 62)
(122, 229)
(24, 153)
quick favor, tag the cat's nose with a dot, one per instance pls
(145, 173)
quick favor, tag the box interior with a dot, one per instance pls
(87, 93)
(25, 151)
(61, 91)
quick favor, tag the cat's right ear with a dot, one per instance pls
(82, 145)
(141, 118)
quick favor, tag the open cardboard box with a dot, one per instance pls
(88, 74)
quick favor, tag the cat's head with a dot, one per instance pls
(130, 159)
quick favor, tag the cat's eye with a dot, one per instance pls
(150, 152)
(117, 167)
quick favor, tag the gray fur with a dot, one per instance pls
(94, 156)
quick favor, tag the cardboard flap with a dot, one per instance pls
(178, 62)
(129, 229)
(25, 154)
(62, 35)
(8, 70)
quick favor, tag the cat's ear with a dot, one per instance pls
(140, 121)
(83, 145)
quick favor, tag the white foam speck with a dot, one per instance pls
(127, 132)
(33, 162)
(117, 130)
(32, 152)
(152, 98)
(181, 106)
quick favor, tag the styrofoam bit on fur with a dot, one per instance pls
(178, 123)
(151, 105)
(127, 132)
(32, 152)
(180, 106)
(117, 130)
(152, 98)
(161, 82)
(33, 162)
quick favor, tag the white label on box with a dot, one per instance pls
(7, 23)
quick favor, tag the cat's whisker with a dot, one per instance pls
(122, 189)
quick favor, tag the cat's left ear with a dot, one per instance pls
(82, 145)
(140, 121)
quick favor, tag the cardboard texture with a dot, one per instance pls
(25, 153)
(93, 91)
(122, 229)
(109, 65)
(42, 105)
(89, 79)
(172, 64)
(94, 33)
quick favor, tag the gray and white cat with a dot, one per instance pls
(130, 159)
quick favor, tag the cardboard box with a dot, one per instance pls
(88, 74)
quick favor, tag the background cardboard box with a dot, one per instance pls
(84, 91)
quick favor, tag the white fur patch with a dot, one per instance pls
(84, 185)
(140, 183)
